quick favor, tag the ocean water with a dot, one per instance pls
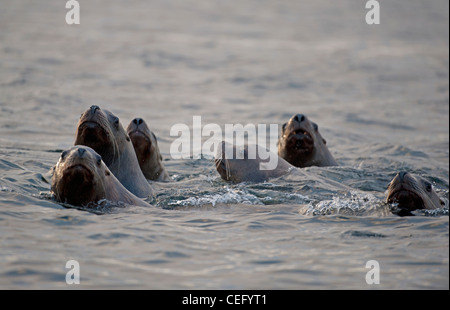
(380, 94)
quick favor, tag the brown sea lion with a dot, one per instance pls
(253, 163)
(411, 192)
(302, 145)
(81, 178)
(102, 131)
(239, 165)
(147, 151)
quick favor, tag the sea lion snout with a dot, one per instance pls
(81, 152)
(401, 175)
(298, 118)
(94, 108)
(137, 121)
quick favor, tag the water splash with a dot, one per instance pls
(231, 196)
(357, 204)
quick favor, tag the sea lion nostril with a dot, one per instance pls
(299, 118)
(94, 108)
(138, 121)
(81, 152)
(402, 175)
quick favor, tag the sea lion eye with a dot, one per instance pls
(99, 160)
(316, 127)
(283, 127)
(64, 154)
(428, 187)
(116, 121)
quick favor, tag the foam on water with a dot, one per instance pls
(361, 204)
(230, 196)
(378, 93)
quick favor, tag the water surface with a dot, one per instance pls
(379, 94)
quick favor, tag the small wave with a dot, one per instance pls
(436, 212)
(356, 204)
(5, 189)
(231, 196)
(362, 234)
(102, 206)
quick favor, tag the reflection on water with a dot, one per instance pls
(379, 95)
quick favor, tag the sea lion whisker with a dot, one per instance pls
(227, 169)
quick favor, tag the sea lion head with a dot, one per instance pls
(411, 192)
(144, 140)
(101, 130)
(78, 177)
(245, 164)
(301, 143)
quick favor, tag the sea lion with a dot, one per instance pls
(411, 192)
(302, 145)
(102, 131)
(147, 151)
(254, 164)
(80, 178)
(238, 166)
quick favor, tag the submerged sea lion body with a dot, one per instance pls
(302, 145)
(248, 167)
(239, 167)
(81, 178)
(147, 151)
(102, 131)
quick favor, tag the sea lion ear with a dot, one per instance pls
(316, 127)
(324, 141)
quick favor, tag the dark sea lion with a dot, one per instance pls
(240, 166)
(302, 145)
(411, 192)
(81, 178)
(147, 151)
(102, 131)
